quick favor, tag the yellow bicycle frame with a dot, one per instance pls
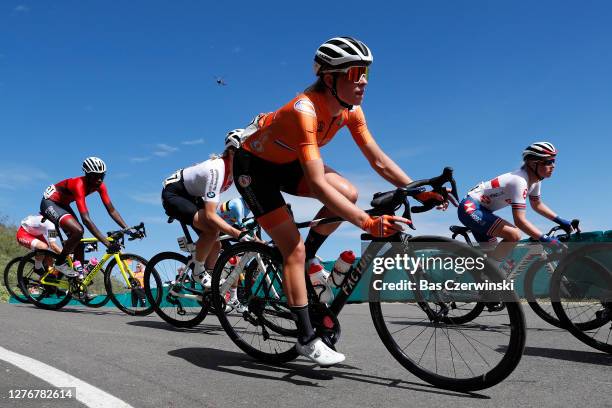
(64, 284)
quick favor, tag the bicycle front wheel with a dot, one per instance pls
(265, 328)
(125, 292)
(172, 292)
(419, 327)
(581, 288)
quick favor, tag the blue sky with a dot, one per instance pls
(460, 83)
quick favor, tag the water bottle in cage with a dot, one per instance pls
(318, 276)
(93, 261)
(341, 267)
(76, 265)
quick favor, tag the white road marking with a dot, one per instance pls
(86, 393)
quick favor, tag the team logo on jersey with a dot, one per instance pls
(210, 194)
(305, 106)
(469, 207)
(244, 181)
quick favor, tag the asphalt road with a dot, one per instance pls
(146, 363)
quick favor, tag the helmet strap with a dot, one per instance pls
(334, 92)
(535, 171)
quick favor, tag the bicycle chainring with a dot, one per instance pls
(325, 323)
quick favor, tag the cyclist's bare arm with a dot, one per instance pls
(542, 209)
(520, 220)
(212, 218)
(93, 229)
(384, 165)
(110, 208)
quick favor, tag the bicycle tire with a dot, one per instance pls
(100, 301)
(157, 297)
(15, 294)
(511, 352)
(27, 282)
(584, 332)
(545, 312)
(273, 348)
(114, 297)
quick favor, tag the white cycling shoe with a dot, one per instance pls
(203, 279)
(234, 304)
(66, 270)
(319, 352)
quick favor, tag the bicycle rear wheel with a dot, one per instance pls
(44, 296)
(420, 331)
(266, 329)
(582, 291)
(128, 295)
(170, 289)
(11, 282)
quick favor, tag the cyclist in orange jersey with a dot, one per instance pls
(280, 152)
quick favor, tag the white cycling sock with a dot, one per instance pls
(38, 264)
(233, 293)
(198, 268)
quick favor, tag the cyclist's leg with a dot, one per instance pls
(33, 242)
(213, 255)
(206, 245)
(64, 217)
(317, 235)
(179, 204)
(487, 227)
(259, 182)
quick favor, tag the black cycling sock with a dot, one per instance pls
(304, 327)
(314, 240)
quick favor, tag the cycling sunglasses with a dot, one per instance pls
(548, 162)
(354, 74)
(96, 176)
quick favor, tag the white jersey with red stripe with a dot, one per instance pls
(34, 225)
(508, 189)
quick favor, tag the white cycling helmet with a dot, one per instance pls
(94, 165)
(234, 138)
(341, 52)
(539, 150)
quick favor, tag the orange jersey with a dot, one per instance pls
(298, 129)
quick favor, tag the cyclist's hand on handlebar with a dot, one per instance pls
(433, 198)
(383, 226)
(565, 224)
(134, 234)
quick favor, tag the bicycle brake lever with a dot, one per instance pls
(407, 213)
